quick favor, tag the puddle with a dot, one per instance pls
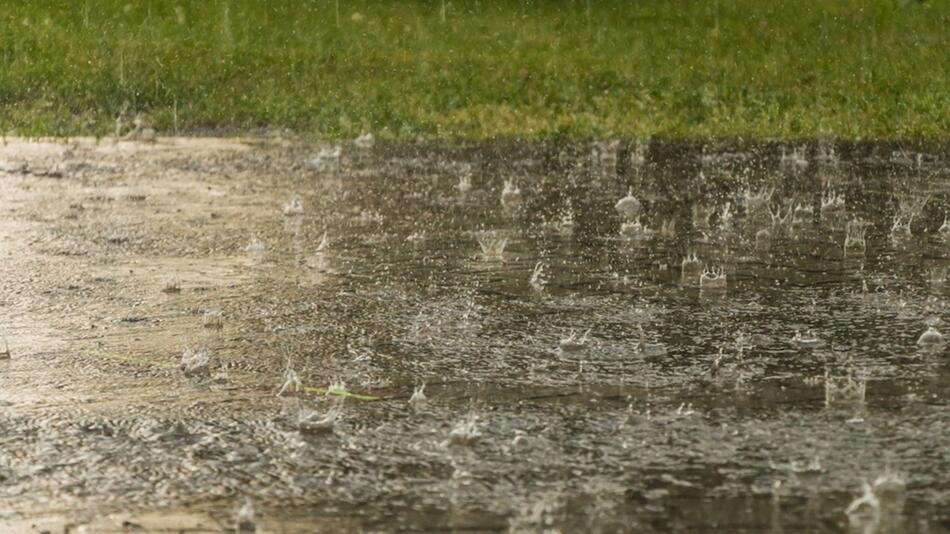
(677, 404)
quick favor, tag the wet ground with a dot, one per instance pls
(758, 401)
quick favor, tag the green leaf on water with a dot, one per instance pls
(340, 393)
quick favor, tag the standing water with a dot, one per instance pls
(740, 343)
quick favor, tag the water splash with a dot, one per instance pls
(781, 222)
(725, 217)
(645, 348)
(370, 218)
(930, 338)
(294, 207)
(212, 319)
(171, 285)
(638, 156)
(668, 228)
(324, 243)
(757, 203)
(847, 389)
(826, 155)
(808, 340)
(365, 141)
(716, 366)
(310, 421)
(910, 205)
(492, 243)
(701, 215)
(691, 268)
(326, 159)
(195, 362)
(802, 215)
(538, 279)
(713, 279)
(944, 230)
(464, 184)
(628, 207)
(255, 247)
(511, 197)
(244, 518)
(865, 507)
(291, 385)
(418, 398)
(832, 203)
(854, 241)
(572, 343)
(635, 231)
(466, 433)
(566, 223)
(763, 240)
(794, 160)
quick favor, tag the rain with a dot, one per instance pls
(525, 326)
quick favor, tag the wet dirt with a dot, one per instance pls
(686, 407)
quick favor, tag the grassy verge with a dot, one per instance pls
(480, 68)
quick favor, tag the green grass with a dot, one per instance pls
(340, 393)
(681, 68)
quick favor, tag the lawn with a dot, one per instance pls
(480, 69)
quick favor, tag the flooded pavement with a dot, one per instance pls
(611, 336)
